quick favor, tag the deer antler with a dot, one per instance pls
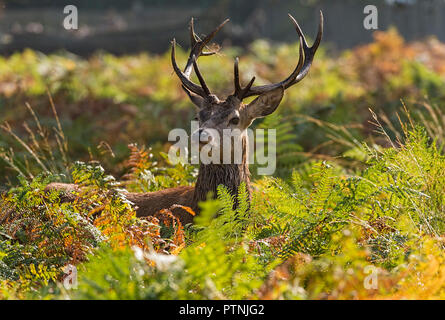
(239, 92)
(306, 56)
(197, 45)
(301, 70)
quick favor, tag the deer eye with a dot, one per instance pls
(234, 121)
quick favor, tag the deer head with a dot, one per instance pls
(218, 115)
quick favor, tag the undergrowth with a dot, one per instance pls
(309, 236)
(355, 194)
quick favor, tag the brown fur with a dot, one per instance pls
(229, 175)
(150, 203)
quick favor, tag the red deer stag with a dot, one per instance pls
(214, 113)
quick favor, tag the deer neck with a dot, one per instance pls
(210, 176)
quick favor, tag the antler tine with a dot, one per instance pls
(236, 77)
(306, 56)
(194, 38)
(198, 45)
(186, 82)
(247, 88)
(196, 51)
(240, 92)
(309, 52)
(200, 78)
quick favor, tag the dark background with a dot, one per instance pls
(131, 26)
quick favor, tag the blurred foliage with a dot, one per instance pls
(355, 190)
(131, 99)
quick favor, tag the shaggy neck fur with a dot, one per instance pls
(210, 176)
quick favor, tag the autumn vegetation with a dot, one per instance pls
(359, 182)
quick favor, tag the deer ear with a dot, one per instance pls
(265, 104)
(196, 99)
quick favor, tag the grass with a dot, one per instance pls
(353, 192)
